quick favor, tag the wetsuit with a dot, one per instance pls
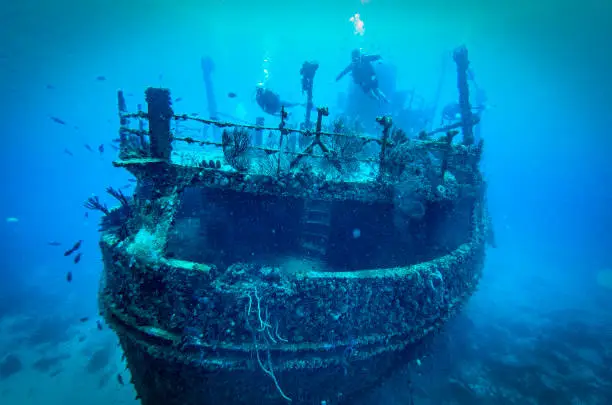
(364, 74)
(270, 102)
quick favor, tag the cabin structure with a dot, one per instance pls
(286, 265)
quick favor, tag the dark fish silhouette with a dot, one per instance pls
(116, 140)
(114, 147)
(101, 148)
(77, 258)
(55, 373)
(69, 276)
(74, 248)
(101, 78)
(67, 152)
(88, 147)
(58, 120)
(178, 99)
(132, 180)
(232, 95)
(54, 243)
(120, 379)
(99, 324)
(84, 319)
(50, 87)
(86, 214)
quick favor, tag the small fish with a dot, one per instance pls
(77, 258)
(116, 140)
(123, 356)
(196, 114)
(86, 214)
(74, 248)
(54, 243)
(101, 78)
(82, 338)
(99, 324)
(114, 147)
(50, 87)
(232, 95)
(67, 152)
(58, 120)
(120, 379)
(132, 180)
(101, 148)
(88, 147)
(126, 186)
(12, 219)
(84, 319)
(69, 276)
(178, 99)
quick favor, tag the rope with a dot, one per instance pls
(227, 124)
(419, 144)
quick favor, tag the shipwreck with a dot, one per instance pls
(280, 264)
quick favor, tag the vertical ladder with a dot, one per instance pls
(316, 225)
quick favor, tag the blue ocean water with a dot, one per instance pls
(539, 328)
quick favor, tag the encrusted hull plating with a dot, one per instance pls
(329, 335)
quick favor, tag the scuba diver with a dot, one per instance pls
(271, 102)
(364, 74)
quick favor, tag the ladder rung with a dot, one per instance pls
(318, 211)
(313, 248)
(315, 235)
(316, 223)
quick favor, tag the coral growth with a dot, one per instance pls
(134, 147)
(344, 148)
(236, 145)
(93, 203)
(145, 246)
(398, 155)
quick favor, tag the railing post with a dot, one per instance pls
(283, 133)
(460, 56)
(321, 112)
(160, 114)
(386, 122)
(123, 123)
(141, 131)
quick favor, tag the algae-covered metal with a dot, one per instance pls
(268, 272)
